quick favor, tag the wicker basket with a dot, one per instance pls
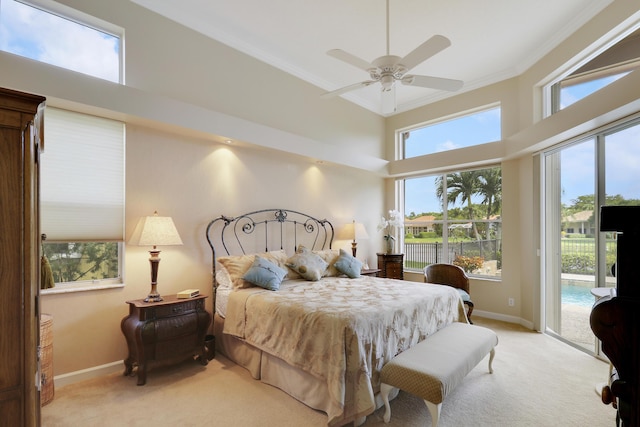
(46, 358)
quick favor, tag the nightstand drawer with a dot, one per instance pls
(171, 327)
(173, 309)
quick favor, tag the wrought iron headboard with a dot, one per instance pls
(266, 230)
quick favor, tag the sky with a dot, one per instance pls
(29, 32)
(622, 166)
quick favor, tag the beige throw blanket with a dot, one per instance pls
(342, 330)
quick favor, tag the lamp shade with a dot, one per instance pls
(354, 231)
(155, 231)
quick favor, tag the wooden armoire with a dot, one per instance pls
(20, 139)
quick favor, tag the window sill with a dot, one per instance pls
(66, 289)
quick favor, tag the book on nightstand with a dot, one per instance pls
(189, 293)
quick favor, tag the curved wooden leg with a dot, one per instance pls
(142, 373)
(434, 410)
(385, 389)
(469, 304)
(128, 367)
(491, 355)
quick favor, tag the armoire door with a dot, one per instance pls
(19, 258)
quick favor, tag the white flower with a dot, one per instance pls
(395, 221)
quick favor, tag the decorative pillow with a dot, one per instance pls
(347, 264)
(307, 264)
(265, 274)
(222, 277)
(330, 256)
(238, 265)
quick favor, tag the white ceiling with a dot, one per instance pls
(491, 40)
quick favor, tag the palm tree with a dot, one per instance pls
(461, 185)
(491, 190)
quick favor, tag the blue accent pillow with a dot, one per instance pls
(265, 274)
(347, 264)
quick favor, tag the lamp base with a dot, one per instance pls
(154, 260)
(153, 298)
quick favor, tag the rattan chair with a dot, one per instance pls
(451, 275)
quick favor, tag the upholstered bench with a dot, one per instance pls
(434, 367)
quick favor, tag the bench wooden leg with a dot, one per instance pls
(385, 389)
(434, 410)
(491, 356)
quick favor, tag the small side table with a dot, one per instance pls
(165, 331)
(391, 266)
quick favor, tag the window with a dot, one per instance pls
(61, 36)
(476, 128)
(455, 218)
(611, 65)
(570, 91)
(82, 196)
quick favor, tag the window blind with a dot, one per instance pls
(82, 178)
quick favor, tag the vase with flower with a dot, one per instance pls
(390, 226)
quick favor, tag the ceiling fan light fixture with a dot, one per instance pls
(387, 82)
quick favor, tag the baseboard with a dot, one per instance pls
(503, 318)
(86, 374)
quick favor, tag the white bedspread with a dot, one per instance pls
(342, 330)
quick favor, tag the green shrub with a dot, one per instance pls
(585, 263)
(428, 235)
(579, 264)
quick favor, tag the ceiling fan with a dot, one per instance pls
(390, 68)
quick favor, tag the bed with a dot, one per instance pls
(315, 329)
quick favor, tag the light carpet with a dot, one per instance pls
(537, 381)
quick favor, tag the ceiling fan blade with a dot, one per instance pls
(347, 89)
(433, 82)
(350, 59)
(425, 51)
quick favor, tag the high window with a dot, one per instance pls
(611, 65)
(58, 35)
(478, 127)
(82, 198)
(455, 218)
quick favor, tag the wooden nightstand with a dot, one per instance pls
(166, 331)
(391, 266)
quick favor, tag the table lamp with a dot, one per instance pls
(155, 231)
(354, 231)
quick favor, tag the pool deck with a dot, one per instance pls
(576, 326)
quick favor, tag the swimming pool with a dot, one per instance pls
(577, 295)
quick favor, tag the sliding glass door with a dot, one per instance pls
(601, 169)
